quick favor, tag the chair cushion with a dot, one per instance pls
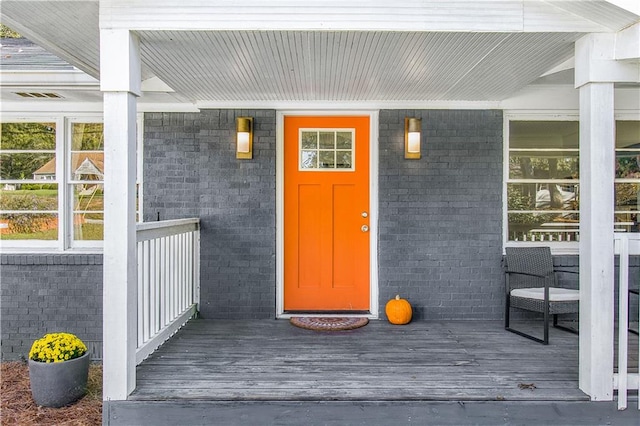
(555, 294)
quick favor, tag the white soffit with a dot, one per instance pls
(68, 29)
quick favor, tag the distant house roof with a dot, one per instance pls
(78, 163)
(21, 54)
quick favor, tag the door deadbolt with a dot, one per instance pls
(365, 228)
(365, 214)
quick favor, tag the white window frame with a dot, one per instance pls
(65, 242)
(557, 247)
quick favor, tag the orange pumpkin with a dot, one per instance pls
(398, 311)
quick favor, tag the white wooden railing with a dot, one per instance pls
(168, 280)
(623, 380)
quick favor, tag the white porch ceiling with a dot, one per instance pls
(262, 66)
(349, 65)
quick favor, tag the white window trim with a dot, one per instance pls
(558, 248)
(65, 240)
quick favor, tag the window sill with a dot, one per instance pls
(50, 250)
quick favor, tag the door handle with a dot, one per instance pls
(365, 214)
(365, 228)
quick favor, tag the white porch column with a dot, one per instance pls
(120, 84)
(601, 60)
(597, 150)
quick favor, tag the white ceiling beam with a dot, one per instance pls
(595, 62)
(628, 43)
(357, 15)
(123, 74)
(630, 5)
(313, 15)
(347, 105)
(67, 79)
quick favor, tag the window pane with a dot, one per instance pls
(28, 166)
(30, 197)
(627, 164)
(28, 226)
(343, 140)
(87, 166)
(626, 196)
(87, 137)
(327, 160)
(28, 136)
(542, 227)
(628, 134)
(309, 140)
(88, 197)
(542, 196)
(87, 156)
(548, 165)
(626, 222)
(88, 226)
(344, 159)
(88, 211)
(327, 140)
(543, 134)
(309, 160)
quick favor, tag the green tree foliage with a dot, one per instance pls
(6, 32)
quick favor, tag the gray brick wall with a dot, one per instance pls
(441, 216)
(171, 165)
(235, 200)
(44, 293)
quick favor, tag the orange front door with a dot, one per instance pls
(326, 213)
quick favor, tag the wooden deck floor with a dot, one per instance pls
(271, 360)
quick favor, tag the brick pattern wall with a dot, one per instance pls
(49, 293)
(171, 166)
(441, 216)
(191, 171)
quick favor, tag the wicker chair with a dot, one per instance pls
(531, 284)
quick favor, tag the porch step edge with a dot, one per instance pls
(165, 413)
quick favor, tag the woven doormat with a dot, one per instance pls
(328, 324)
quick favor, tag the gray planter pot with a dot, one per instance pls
(57, 384)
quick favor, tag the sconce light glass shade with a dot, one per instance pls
(412, 136)
(244, 138)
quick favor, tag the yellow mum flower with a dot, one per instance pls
(57, 347)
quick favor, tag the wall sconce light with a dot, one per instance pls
(244, 138)
(412, 128)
